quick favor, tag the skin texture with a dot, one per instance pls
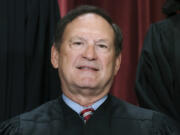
(86, 60)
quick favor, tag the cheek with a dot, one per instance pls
(68, 60)
(108, 64)
(63, 60)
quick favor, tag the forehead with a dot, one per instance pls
(91, 23)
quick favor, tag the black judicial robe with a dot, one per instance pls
(158, 74)
(113, 117)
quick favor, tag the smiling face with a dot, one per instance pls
(86, 60)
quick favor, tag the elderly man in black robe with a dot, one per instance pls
(87, 54)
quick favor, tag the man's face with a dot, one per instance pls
(86, 59)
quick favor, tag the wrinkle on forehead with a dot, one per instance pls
(90, 23)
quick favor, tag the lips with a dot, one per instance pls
(88, 68)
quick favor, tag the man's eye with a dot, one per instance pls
(77, 43)
(102, 46)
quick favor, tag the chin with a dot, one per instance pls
(90, 85)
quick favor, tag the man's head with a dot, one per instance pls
(85, 54)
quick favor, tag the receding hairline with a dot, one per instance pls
(80, 11)
(91, 14)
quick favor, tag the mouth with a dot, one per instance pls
(87, 68)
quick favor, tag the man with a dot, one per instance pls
(87, 55)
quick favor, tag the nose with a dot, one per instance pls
(90, 53)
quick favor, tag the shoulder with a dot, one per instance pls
(159, 41)
(128, 110)
(167, 24)
(157, 121)
(45, 113)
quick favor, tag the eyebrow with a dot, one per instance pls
(83, 39)
(77, 37)
(102, 40)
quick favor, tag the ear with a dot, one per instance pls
(117, 64)
(54, 56)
